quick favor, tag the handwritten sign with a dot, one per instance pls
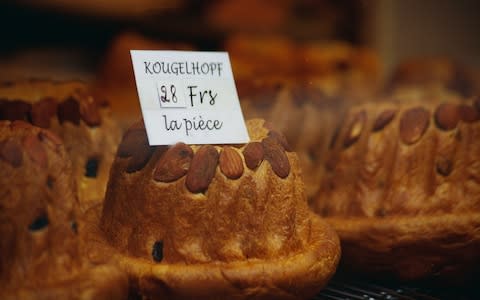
(188, 96)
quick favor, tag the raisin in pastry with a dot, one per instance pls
(402, 188)
(83, 123)
(42, 254)
(215, 221)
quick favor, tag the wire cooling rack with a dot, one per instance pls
(358, 290)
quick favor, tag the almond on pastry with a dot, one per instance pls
(83, 122)
(42, 253)
(404, 195)
(215, 222)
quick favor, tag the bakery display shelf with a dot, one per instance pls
(339, 289)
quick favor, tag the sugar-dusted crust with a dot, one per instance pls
(80, 120)
(211, 222)
(402, 187)
(42, 251)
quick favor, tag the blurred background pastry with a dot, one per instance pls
(42, 254)
(84, 124)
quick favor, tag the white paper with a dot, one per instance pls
(188, 96)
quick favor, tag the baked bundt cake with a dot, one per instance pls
(434, 73)
(84, 124)
(215, 221)
(41, 254)
(305, 115)
(402, 188)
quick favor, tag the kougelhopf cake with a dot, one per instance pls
(41, 252)
(434, 73)
(215, 221)
(402, 188)
(338, 69)
(84, 124)
(306, 116)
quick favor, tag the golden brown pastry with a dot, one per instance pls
(335, 68)
(115, 79)
(215, 222)
(340, 69)
(84, 124)
(434, 73)
(253, 56)
(402, 188)
(41, 254)
(304, 114)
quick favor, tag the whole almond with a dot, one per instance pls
(89, 111)
(140, 158)
(383, 119)
(275, 155)
(281, 139)
(468, 113)
(35, 150)
(174, 163)
(43, 111)
(231, 163)
(69, 110)
(447, 116)
(132, 139)
(253, 154)
(413, 124)
(202, 169)
(11, 152)
(138, 148)
(14, 110)
(355, 128)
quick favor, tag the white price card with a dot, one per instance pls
(188, 96)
